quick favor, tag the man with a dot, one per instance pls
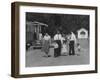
(58, 39)
(72, 41)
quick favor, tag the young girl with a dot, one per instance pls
(64, 48)
(78, 47)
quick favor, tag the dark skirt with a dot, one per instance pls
(71, 48)
(57, 51)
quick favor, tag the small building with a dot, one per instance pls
(35, 28)
(82, 33)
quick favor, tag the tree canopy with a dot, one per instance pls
(63, 22)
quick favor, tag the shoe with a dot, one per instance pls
(70, 54)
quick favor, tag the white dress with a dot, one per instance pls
(64, 48)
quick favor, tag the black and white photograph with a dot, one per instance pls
(51, 39)
(57, 39)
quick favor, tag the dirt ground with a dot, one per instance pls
(36, 58)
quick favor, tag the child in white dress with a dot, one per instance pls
(78, 47)
(64, 48)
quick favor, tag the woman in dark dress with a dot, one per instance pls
(58, 39)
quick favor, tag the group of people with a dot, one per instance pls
(62, 45)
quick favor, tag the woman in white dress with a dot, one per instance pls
(64, 48)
